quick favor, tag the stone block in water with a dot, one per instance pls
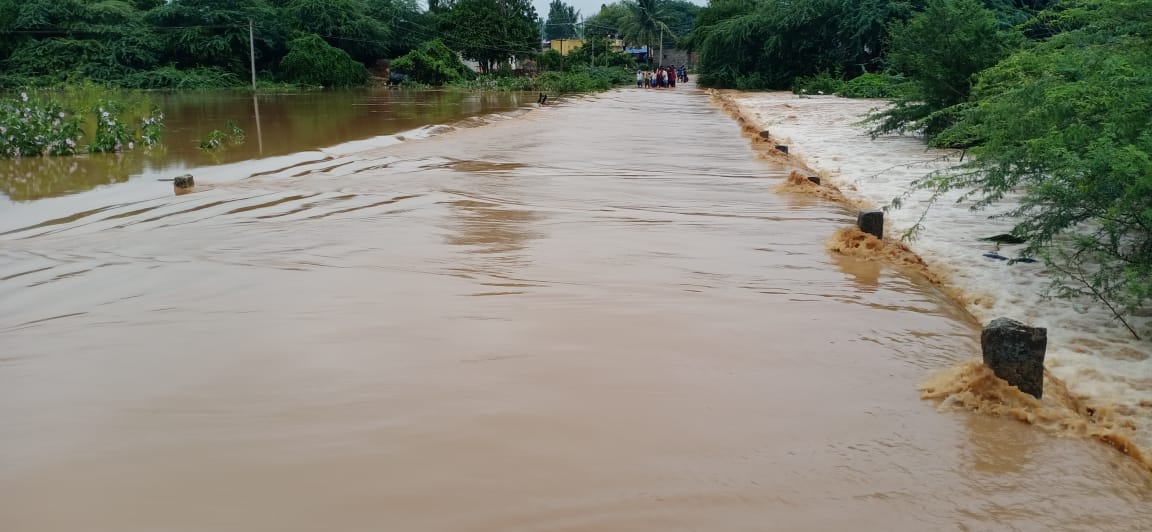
(765, 134)
(871, 222)
(781, 147)
(1015, 353)
(814, 179)
(184, 181)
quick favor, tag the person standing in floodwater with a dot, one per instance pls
(639, 79)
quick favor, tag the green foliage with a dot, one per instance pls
(550, 60)
(312, 61)
(822, 83)
(609, 19)
(58, 39)
(433, 64)
(562, 19)
(217, 139)
(940, 50)
(647, 22)
(112, 134)
(1064, 125)
(492, 31)
(406, 21)
(30, 128)
(34, 125)
(344, 24)
(870, 85)
(214, 33)
(169, 77)
(767, 44)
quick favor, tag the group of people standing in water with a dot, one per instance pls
(661, 77)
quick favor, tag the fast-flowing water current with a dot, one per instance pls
(596, 315)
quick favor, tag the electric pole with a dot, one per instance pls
(252, 54)
(660, 60)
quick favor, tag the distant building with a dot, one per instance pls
(566, 46)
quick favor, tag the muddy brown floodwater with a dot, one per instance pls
(595, 316)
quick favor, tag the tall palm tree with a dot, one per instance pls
(647, 22)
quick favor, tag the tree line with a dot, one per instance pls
(1051, 101)
(206, 43)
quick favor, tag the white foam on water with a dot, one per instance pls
(1087, 347)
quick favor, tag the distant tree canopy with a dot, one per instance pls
(561, 21)
(188, 43)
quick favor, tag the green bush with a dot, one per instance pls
(31, 128)
(550, 61)
(822, 83)
(432, 63)
(1061, 127)
(32, 125)
(312, 61)
(873, 86)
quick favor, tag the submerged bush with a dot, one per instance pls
(33, 126)
(30, 128)
(312, 61)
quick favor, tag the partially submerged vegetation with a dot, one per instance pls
(1049, 99)
(85, 119)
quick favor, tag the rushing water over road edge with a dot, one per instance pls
(1107, 395)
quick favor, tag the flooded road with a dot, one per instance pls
(567, 320)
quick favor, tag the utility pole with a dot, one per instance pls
(252, 54)
(660, 60)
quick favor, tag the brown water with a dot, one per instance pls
(595, 316)
(274, 125)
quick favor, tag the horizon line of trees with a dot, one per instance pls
(205, 43)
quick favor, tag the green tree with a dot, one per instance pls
(214, 33)
(345, 24)
(608, 20)
(768, 44)
(493, 31)
(1064, 126)
(55, 39)
(408, 25)
(681, 17)
(940, 50)
(647, 24)
(312, 61)
(561, 23)
(432, 63)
